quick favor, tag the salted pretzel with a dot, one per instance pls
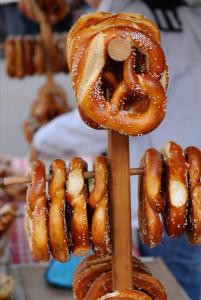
(99, 201)
(175, 189)
(76, 197)
(53, 10)
(150, 201)
(58, 237)
(10, 56)
(193, 230)
(36, 212)
(87, 76)
(126, 295)
(152, 164)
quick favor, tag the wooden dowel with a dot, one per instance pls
(119, 49)
(118, 154)
(26, 179)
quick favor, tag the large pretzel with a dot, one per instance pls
(99, 201)
(87, 65)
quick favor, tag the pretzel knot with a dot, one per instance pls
(137, 100)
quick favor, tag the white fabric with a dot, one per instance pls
(104, 5)
(182, 123)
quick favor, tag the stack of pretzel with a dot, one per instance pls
(27, 56)
(51, 102)
(69, 218)
(53, 10)
(93, 279)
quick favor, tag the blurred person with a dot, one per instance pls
(180, 23)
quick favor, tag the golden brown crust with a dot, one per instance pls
(57, 223)
(36, 212)
(10, 56)
(149, 199)
(175, 189)
(76, 197)
(99, 201)
(83, 41)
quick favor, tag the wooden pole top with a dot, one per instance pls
(119, 49)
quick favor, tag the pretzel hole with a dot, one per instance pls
(135, 104)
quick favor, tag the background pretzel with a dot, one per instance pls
(54, 10)
(77, 193)
(58, 234)
(87, 77)
(99, 201)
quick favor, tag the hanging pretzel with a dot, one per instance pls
(77, 192)
(176, 194)
(10, 56)
(98, 200)
(193, 229)
(36, 212)
(53, 10)
(58, 233)
(87, 69)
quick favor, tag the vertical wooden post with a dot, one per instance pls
(118, 154)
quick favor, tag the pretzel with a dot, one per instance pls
(76, 198)
(126, 295)
(152, 164)
(19, 56)
(53, 10)
(57, 223)
(36, 212)
(10, 56)
(98, 200)
(175, 190)
(87, 77)
(150, 201)
(193, 229)
(91, 268)
(28, 45)
(39, 56)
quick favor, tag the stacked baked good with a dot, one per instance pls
(26, 55)
(50, 103)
